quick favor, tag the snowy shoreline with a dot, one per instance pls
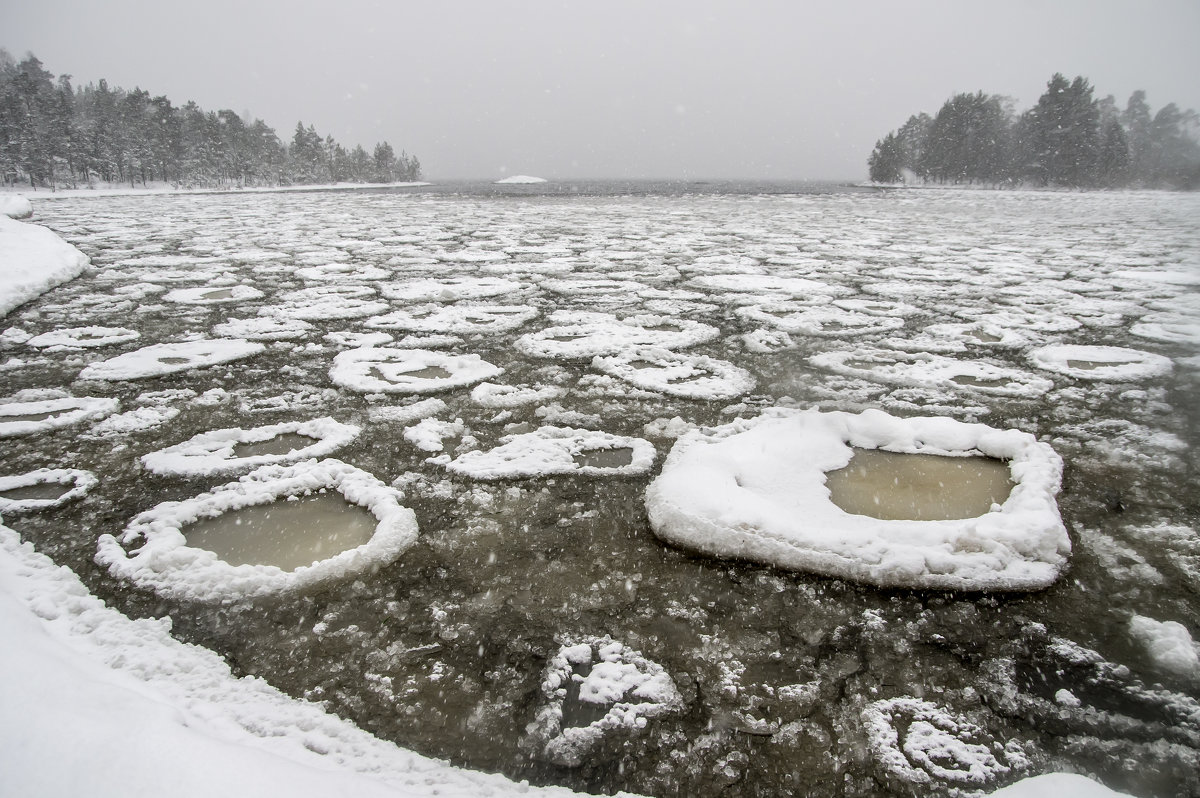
(160, 190)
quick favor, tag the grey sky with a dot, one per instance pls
(698, 89)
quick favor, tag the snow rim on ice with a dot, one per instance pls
(351, 369)
(683, 376)
(755, 490)
(164, 562)
(80, 483)
(70, 411)
(549, 451)
(211, 453)
(148, 361)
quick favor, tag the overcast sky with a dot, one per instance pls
(658, 88)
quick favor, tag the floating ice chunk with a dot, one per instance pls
(406, 414)
(227, 451)
(920, 743)
(1024, 319)
(139, 419)
(163, 561)
(592, 688)
(1168, 643)
(955, 337)
(590, 335)
(923, 369)
(430, 432)
(1110, 363)
(878, 307)
(456, 319)
(30, 417)
(213, 295)
(84, 337)
(520, 180)
(450, 289)
(505, 397)
(766, 342)
(821, 321)
(1168, 328)
(356, 340)
(320, 303)
(159, 359)
(685, 376)
(380, 370)
(584, 287)
(756, 490)
(558, 450)
(343, 272)
(735, 287)
(43, 489)
(263, 328)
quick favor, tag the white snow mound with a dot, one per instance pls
(755, 490)
(32, 261)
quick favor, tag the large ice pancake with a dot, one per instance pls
(755, 490)
(160, 557)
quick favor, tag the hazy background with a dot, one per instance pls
(654, 89)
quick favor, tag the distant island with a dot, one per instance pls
(54, 135)
(1068, 139)
(520, 179)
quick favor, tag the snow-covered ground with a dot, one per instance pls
(582, 350)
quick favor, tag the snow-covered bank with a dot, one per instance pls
(32, 261)
(15, 206)
(173, 719)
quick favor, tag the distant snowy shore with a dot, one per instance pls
(113, 190)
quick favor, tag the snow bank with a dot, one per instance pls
(14, 206)
(77, 672)
(554, 450)
(1057, 785)
(74, 483)
(32, 261)
(520, 179)
(165, 563)
(213, 452)
(158, 360)
(756, 490)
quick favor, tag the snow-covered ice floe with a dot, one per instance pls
(505, 397)
(685, 376)
(582, 681)
(32, 261)
(43, 489)
(1110, 363)
(455, 319)
(1168, 643)
(756, 490)
(916, 742)
(819, 321)
(29, 418)
(385, 370)
(558, 450)
(162, 359)
(162, 559)
(583, 334)
(213, 295)
(922, 369)
(84, 337)
(263, 328)
(217, 451)
(449, 289)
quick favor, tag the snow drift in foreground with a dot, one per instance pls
(756, 490)
(32, 261)
(178, 722)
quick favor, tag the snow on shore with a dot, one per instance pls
(178, 721)
(32, 261)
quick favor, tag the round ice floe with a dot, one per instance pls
(594, 287)
(1168, 328)
(734, 287)
(384, 370)
(28, 418)
(958, 337)
(328, 302)
(455, 319)
(450, 289)
(133, 421)
(685, 376)
(589, 335)
(1110, 363)
(163, 561)
(263, 328)
(227, 451)
(918, 742)
(43, 489)
(84, 337)
(160, 359)
(213, 295)
(756, 490)
(595, 687)
(558, 450)
(922, 369)
(821, 321)
(342, 271)
(504, 397)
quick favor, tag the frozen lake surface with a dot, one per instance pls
(520, 363)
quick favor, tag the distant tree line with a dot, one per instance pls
(54, 135)
(1068, 139)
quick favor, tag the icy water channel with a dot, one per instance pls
(741, 679)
